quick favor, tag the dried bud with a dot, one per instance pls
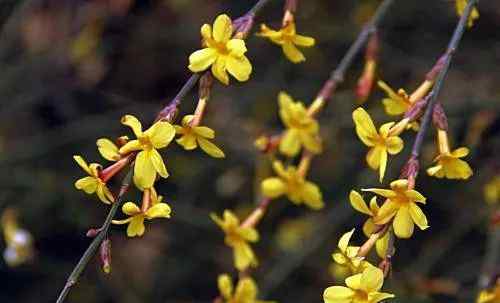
(365, 82)
(386, 265)
(169, 112)
(120, 141)
(410, 170)
(243, 25)
(416, 110)
(93, 232)
(105, 255)
(328, 89)
(432, 74)
(206, 82)
(439, 117)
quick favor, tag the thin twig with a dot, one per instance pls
(337, 76)
(452, 46)
(94, 245)
(191, 82)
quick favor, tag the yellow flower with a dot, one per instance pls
(401, 205)
(191, 137)
(369, 227)
(449, 165)
(221, 52)
(246, 290)
(291, 183)
(18, 241)
(395, 104)
(93, 183)
(302, 129)
(489, 295)
(460, 7)
(492, 190)
(108, 149)
(288, 38)
(347, 256)
(148, 161)
(238, 237)
(381, 142)
(157, 209)
(361, 288)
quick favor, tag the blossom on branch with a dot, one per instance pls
(291, 183)
(361, 288)
(401, 204)
(192, 136)
(302, 129)
(237, 237)
(148, 161)
(381, 143)
(222, 52)
(93, 183)
(288, 39)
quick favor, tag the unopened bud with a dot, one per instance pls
(120, 141)
(205, 86)
(105, 255)
(410, 170)
(365, 82)
(93, 232)
(439, 117)
(432, 74)
(416, 110)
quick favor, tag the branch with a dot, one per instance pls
(94, 245)
(452, 46)
(191, 82)
(337, 76)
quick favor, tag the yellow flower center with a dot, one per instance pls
(401, 198)
(360, 296)
(145, 143)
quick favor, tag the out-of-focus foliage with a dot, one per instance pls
(70, 69)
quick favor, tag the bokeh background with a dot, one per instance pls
(70, 69)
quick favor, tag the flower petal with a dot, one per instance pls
(403, 223)
(81, 162)
(372, 279)
(133, 123)
(386, 212)
(225, 285)
(246, 291)
(344, 240)
(303, 41)
(187, 141)
(358, 203)
(312, 197)
(160, 210)
(290, 143)
(338, 294)
(418, 216)
(293, 53)
(108, 149)
(104, 194)
(273, 187)
(136, 226)
(365, 128)
(205, 132)
(158, 163)
(239, 67)
(144, 170)
(219, 70)
(131, 209)
(87, 184)
(223, 28)
(210, 148)
(237, 47)
(201, 59)
(161, 134)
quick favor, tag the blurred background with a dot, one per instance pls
(70, 69)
